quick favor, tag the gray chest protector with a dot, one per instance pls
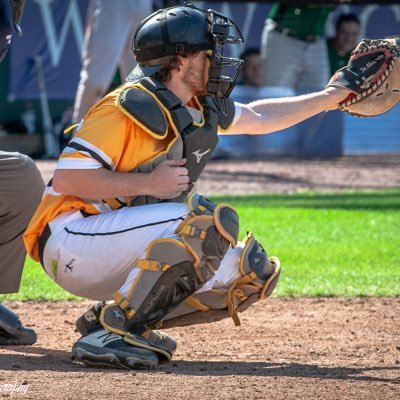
(157, 110)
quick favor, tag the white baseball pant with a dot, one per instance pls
(94, 257)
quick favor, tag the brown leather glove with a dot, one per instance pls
(373, 76)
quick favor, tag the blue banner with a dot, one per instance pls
(54, 30)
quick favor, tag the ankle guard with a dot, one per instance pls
(89, 321)
(259, 276)
(173, 269)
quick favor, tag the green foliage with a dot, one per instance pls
(339, 244)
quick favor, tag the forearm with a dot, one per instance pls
(270, 115)
(100, 183)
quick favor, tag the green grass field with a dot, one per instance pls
(329, 244)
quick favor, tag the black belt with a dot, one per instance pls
(43, 238)
(294, 35)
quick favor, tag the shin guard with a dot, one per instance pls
(174, 269)
(259, 276)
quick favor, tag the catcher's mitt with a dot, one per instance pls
(373, 76)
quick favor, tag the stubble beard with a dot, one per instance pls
(194, 81)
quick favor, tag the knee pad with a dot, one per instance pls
(175, 269)
(259, 276)
(207, 233)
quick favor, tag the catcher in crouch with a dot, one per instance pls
(113, 224)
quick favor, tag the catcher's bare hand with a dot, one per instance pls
(169, 179)
(336, 95)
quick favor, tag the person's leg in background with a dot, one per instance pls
(281, 57)
(321, 135)
(315, 70)
(136, 11)
(21, 188)
(107, 44)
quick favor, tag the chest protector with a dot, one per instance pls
(158, 111)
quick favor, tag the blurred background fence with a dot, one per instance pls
(54, 30)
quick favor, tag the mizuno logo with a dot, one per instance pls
(199, 155)
(118, 315)
(108, 337)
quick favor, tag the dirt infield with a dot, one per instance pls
(290, 175)
(285, 349)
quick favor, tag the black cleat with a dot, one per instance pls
(24, 336)
(105, 349)
(12, 332)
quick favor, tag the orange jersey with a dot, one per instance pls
(107, 138)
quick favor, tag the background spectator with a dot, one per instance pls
(252, 67)
(293, 49)
(250, 89)
(346, 39)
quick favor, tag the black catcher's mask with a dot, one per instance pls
(186, 29)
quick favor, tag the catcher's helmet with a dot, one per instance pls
(185, 29)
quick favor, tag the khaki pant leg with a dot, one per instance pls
(21, 188)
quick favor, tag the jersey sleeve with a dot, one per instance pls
(236, 116)
(99, 142)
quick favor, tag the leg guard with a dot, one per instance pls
(173, 269)
(259, 276)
